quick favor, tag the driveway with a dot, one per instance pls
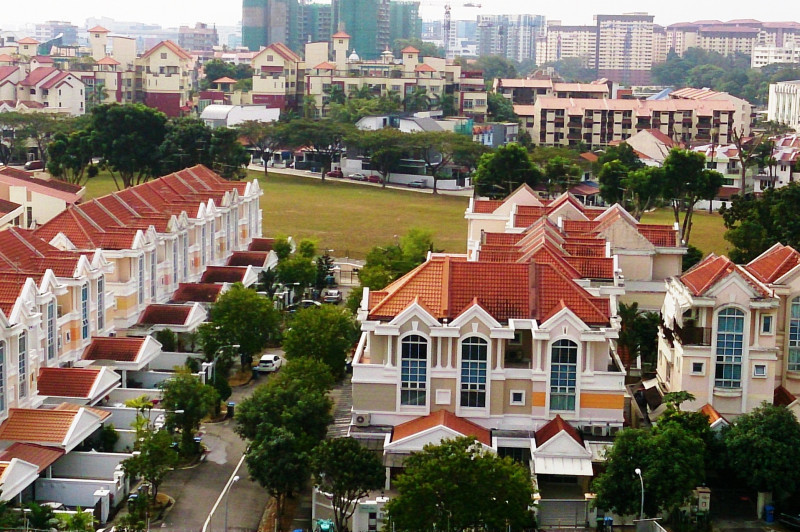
(197, 491)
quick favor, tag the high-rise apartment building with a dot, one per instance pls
(269, 21)
(625, 47)
(405, 21)
(317, 22)
(731, 37)
(53, 28)
(511, 36)
(367, 21)
(200, 38)
(565, 42)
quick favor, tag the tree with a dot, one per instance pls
(155, 458)
(384, 264)
(426, 49)
(644, 187)
(687, 181)
(622, 153)
(266, 137)
(348, 471)
(240, 316)
(502, 171)
(447, 103)
(417, 100)
(639, 332)
(39, 128)
(386, 148)
(672, 464)
(299, 270)
(437, 149)
(324, 139)
(228, 156)
(610, 178)
(495, 66)
(326, 334)
(310, 374)
(280, 465)
(561, 174)
(187, 402)
(491, 493)
(573, 69)
(748, 152)
(761, 449)
(127, 138)
(40, 517)
(167, 339)
(500, 108)
(324, 271)
(186, 143)
(71, 157)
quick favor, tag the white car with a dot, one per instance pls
(269, 363)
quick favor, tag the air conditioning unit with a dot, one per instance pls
(361, 420)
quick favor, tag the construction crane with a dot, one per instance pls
(447, 19)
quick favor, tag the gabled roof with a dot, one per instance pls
(28, 40)
(118, 349)
(424, 67)
(98, 29)
(157, 314)
(325, 66)
(174, 48)
(774, 263)
(225, 79)
(340, 35)
(55, 80)
(442, 418)
(30, 425)
(223, 274)
(39, 455)
(261, 244)
(197, 292)
(712, 269)
(783, 397)
(80, 383)
(553, 427)
(108, 60)
(406, 50)
(8, 206)
(23, 178)
(256, 259)
(37, 75)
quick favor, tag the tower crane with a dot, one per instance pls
(447, 18)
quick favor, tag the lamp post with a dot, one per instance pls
(228, 497)
(641, 480)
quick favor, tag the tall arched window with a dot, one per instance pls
(730, 345)
(413, 370)
(794, 336)
(563, 374)
(474, 353)
(23, 364)
(51, 330)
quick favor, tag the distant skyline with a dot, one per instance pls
(575, 12)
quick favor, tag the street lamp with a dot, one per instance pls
(228, 497)
(641, 480)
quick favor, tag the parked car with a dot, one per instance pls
(358, 177)
(305, 303)
(419, 183)
(335, 173)
(34, 165)
(332, 296)
(269, 363)
(374, 179)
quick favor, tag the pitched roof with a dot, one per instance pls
(257, 259)
(224, 79)
(72, 407)
(28, 40)
(713, 269)
(424, 67)
(774, 263)
(37, 75)
(325, 66)
(406, 50)
(442, 418)
(261, 244)
(223, 274)
(8, 206)
(38, 455)
(119, 349)
(98, 29)
(67, 382)
(486, 206)
(711, 413)
(284, 51)
(55, 80)
(196, 292)
(27, 178)
(37, 425)
(174, 48)
(108, 60)
(158, 314)
(340, 35)
(553, 427)
(783, 397)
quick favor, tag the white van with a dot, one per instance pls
(269, 363)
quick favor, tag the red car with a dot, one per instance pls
(335, 173)
(374, 179)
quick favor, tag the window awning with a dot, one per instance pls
(559, 465)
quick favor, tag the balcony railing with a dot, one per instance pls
(694, 335)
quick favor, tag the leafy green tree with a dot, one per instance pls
(385, 147)
(500, 108)
(672, 463)
(266, 137)
(308, 373)
(326, 333)
(687, 181)
(504, 170)
(692, 257)
(71, 157)
(324, 270)
(491, 493)
(187, 402)
(282, 247)
(167, 339)
(185, 144)
(228, 155)
(80, 521)
(639, 332)
(40, 517)
(417, 100)
(348, 471)
(644, 187)
(704, 76)
(154, 460)
(437, 149)
(573, 69)
(278, 462)
(561, 174)
(335, 94)
(426, 49)
(761, 449)
(495, 66)
(128, 138)
(297, 271)
(324, 139)
(384, 264)
(240, 316)
(622, 153)
(447, 104)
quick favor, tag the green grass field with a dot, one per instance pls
(351, 218)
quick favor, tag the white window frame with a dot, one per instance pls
(51, 331)
(85, 295)
(555, 388)
(512, 401)
(771, 329)
(3, 375)
(759, 374)
(101, 303)
(702, 371)
(140, 278)
(22, 369)
(420, 385)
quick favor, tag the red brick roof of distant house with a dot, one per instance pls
(67, 382)
(261, 244)
(197, 292)
(553, 427)
(445, 419)
(157, 314)
(712, 269)
(407, 50)
(340, 35)
(37, 75)
(424, 67)
(774, 263)
(38, 455)
(56, 80)
(28, 40)
(119, 349)
(224, 80)
(174, 48)
(8, 206)
(108, 60)
(98, 29)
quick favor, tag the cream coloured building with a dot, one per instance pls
(784, 103)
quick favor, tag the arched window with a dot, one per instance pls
(23, 364)
(794, 336)
(563, 374)
(474, 353)
(730, 345)
(413, 370)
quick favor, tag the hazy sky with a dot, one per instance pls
(228, 12)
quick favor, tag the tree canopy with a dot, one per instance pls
(323, 139)
(491, 493)
(187, 402)
(495, 66)
(326, 333)
(156, 457)
(500, 172)
(500, 108)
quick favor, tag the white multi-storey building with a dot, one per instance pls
(784, 103)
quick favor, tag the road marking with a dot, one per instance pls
(221, 495)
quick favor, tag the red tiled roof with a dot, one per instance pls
(261, 244)
(783, 397)
(223, 274)
(36, 425)
(108, 60)
(408, 50)
(325, 66)
(55, 80)
(174, 48)
(55, 184)
(37, 75)
(442, 418)
(196, 292)
(38, 455)
(553, 427)
(28, 40)
(707, 272)
(659, 235)
(158, 314)
(424, 67)
(224, 80)
(72, 407)
(486, 206)
(98, 29)
(43, 59)
(774, 263)
(711, 413)
(67, 382)
(119, 349)
(256, 259)
(340, 35)
(285, 52)
(6, 71)
(8, 206)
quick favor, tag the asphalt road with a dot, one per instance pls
(197, 490)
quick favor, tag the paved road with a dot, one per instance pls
(196, 490)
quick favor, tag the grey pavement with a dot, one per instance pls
(196, 490)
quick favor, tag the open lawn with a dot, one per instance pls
(707, 229)
(351, 218)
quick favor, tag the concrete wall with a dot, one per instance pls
(168, 360)
(150, 379)
(127, 438)
(77, 492)
(120, 395)
(123, 417)
(88, 465)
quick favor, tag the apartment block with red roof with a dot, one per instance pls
(165, 76)
(278, 77)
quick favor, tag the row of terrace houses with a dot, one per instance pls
(513, 342)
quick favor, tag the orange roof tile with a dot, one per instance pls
(108, 60)
(72, 407)
(36, 425)
(774, 263)
(174, 48)
(553, 427)
(224, 80)
(711, 413)
(38, 455)
(158, 314)
(424, 67)
(325, 66)
(67, 382)
(486, 206)
(28, 40)
(196, 292)
(340, 35)
(409, 50)
(257, 259)
(442, 418)
(119, 349)
(98, 29)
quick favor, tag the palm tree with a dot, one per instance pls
(417, 100)
(364, 92)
